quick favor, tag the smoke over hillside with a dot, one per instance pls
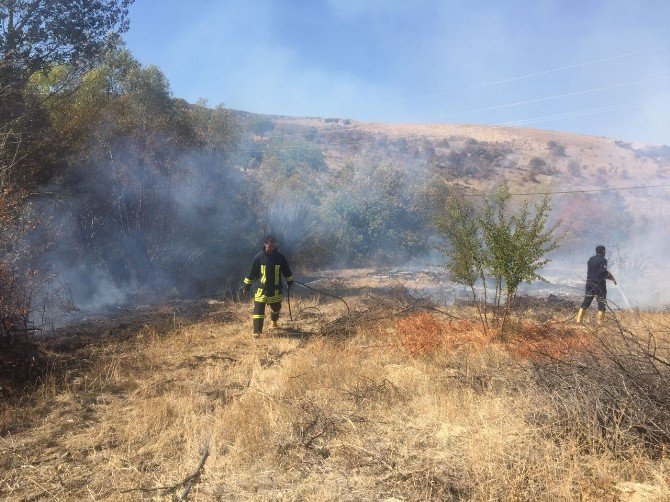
(128, 228)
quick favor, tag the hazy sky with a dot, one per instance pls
(589, 66)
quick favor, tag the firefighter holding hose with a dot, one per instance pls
(596, 276)
(268, 267)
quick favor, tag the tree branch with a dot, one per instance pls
(187, 483)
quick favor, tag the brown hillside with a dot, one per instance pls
(479, 156)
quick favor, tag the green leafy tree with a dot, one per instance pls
(262, 126)
(465, 248)
(164, 167)
(216, 127)
(494, 242)
(59, 38)
(36, 34)
(517, 243)
(122, 98)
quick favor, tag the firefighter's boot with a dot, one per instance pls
(601, 316)
(274, 317)
(580, 316)
(258, 325)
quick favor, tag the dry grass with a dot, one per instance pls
(412, 408)
(420, 334)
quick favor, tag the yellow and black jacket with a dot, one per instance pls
(268, 270)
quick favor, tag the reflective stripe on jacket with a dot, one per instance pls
(268, 270)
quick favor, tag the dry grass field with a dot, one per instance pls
(400, 402)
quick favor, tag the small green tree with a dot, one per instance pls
(465, 248)
(261, 126)
(492, 242)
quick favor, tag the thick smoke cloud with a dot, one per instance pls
(630, 224)
(128, 230)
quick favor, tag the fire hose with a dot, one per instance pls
(288, 298)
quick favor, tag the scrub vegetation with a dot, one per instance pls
(114, 192)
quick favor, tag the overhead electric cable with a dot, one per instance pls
(576, 113)
(537, 74)
(613, 189)
(558, 96)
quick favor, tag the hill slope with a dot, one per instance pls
(344, 171)
(476, 158)
(597, 162)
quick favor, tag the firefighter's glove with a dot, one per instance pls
(289, 283)
(244, 291)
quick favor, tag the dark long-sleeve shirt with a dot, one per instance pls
(597, 274)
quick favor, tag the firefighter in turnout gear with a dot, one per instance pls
(596, 276)
(267, 267)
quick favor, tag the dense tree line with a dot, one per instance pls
(102, 172)
(37, 37)
(114, 191)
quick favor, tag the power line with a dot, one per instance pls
(576, 113)
(538, 74)
(559, 96)
(614, 189)
(521, 122)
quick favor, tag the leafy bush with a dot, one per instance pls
(262, 126)
(290, 158)
(373, 214)
(490, 240)
(556, 148)
(538, 166)
(477, 159)
(575, 168)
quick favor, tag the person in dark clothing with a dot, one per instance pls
(267, 267)
(596, 274)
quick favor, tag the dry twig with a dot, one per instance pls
(187, 483)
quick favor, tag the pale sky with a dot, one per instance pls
(594, 67)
